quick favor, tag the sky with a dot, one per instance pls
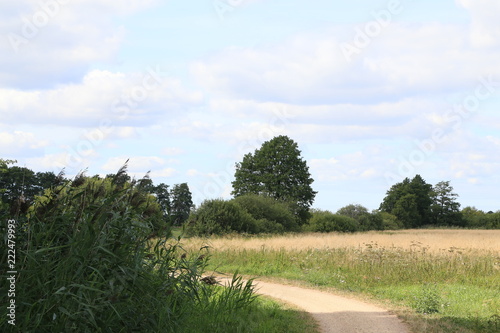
(371, 91)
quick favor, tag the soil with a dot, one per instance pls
(335, 314)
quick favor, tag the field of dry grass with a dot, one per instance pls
(438, 280)
(429, 240)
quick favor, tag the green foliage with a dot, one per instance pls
(325, 221)
(20, 185)
(218, 217)
(272, 215)
(445, 208)
(366, 220)
(390, 222)
(475, 218)
(428, 300)
(248, 213)
(262, 315)
(277, 170)
(180, 203)
(87, 263)
(163, 197)
(406, 210)
(355, 211)
(410, 201)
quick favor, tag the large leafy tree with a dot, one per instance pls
(163, 196)
(445, 208)
(410, 201)
(277, 170)
(181, 203)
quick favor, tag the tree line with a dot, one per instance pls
(21, 188)
(272, 193)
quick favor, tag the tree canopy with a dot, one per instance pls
(445, 208)
(181, 203)
(410, 201)
(276, 170)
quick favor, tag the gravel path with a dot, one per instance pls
(335, 314)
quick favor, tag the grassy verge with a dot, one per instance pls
(263, 315)
(452, 291)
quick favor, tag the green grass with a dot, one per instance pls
(262, 316)
(452, 292)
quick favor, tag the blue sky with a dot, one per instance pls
(372, 91)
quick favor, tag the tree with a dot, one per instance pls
(410, 201)
(181, 203)
(445, 208)
(4, 167)
(406, 210)
(353, 210)
(277, 170)
(163, 196)
(423, 193)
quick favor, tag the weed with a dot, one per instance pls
(428, 300)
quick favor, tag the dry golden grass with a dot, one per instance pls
(430, 240)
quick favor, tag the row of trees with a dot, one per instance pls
(273, 192)
(416, 203)
(413, 203)
(277, 171)
(21, 188)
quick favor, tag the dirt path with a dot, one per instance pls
(335, 314)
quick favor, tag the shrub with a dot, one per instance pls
(390, 222)
(428, 300)
(271, 215)
(218, 217)
(325, 221)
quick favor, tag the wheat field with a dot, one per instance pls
(428, 240)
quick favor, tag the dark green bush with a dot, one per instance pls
(218, 217)
(390, 222)
(272, 215)
(325, 221)
(474, 218)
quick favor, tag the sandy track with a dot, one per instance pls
(335, 314)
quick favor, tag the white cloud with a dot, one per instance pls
(54, 42)
(135, 164)
(57, 161)
(172, 151)
(408, 60)
(163, 173)
(351, 166)
(119, 99)
(13, 142)
(485, 25)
